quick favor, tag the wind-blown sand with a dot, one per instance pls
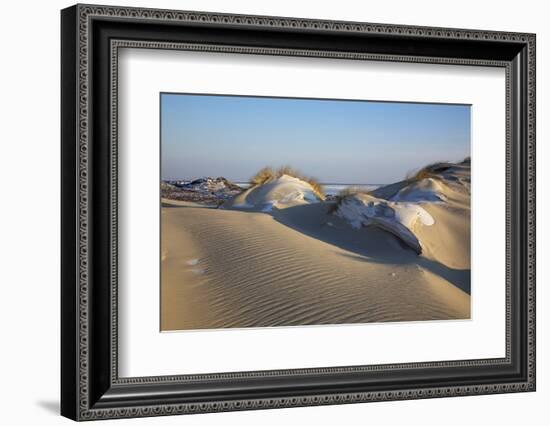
(302, 265)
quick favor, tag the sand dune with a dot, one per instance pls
(300, 264)
(282, 192)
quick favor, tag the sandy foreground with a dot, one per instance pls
(301, 266)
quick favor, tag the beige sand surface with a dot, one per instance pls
(301, 265)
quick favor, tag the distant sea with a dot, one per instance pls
(333, 188)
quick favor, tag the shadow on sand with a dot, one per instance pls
(370, 245)
(458, 277)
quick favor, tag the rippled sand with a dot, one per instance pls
(301, 266)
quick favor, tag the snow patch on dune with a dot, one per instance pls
(424, 191)
(285, 191)
(399, 219)
(268, 207)
(409, 213)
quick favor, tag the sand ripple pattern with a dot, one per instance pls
(257, 272)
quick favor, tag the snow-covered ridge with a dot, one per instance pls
(283, 192)
(399, 208)
(209, 184)
(398, 218)
(203, 190)
(423, 191)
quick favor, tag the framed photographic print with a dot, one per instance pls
(263, 212)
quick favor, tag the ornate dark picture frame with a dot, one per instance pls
(91, 37)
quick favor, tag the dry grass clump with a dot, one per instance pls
(351, 190)
(267, 174)
(433, 171)
(343, 194)
(289, 171)
(317, 187)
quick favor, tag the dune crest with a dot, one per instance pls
(399, 208)
(283, 192)
(423, 191)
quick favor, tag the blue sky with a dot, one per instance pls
(335, 141)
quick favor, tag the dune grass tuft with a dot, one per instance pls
(268, 174)
(317, 187)
(343, 194)
(289, 171)
(351, 190)
(433, 171)
(263, 176)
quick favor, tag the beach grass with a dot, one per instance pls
(432, 171)
(349, 191)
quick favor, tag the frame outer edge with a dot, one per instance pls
(83, 13)
(69, 221)
(83, 60)
(531, 200)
